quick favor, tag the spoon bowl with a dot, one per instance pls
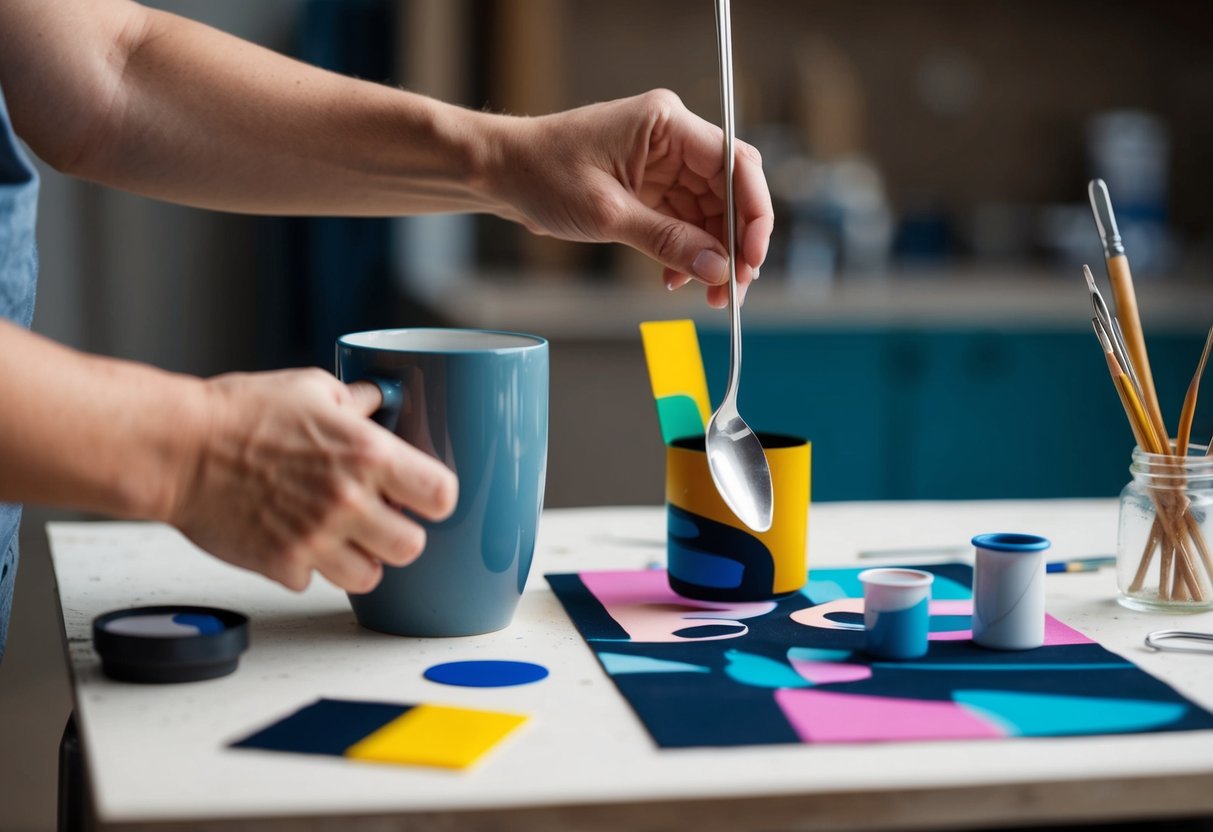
(739, 468)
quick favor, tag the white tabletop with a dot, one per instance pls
(158, 753)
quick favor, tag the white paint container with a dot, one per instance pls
(1009, 591)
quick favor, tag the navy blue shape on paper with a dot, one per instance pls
(327, 726)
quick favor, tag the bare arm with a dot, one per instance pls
(88, 432)
(164, 106)
(281, 473)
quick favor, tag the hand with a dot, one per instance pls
(293, 477)
(647, 172)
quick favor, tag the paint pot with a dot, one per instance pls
(712, 555)
(896, 612)
(169, 643)
(1009, 591)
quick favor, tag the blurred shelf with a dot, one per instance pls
(568, 306)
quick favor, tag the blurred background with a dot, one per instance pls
(922, 316)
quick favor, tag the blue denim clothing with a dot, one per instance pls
(18, 271)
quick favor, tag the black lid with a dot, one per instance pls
(169, 643)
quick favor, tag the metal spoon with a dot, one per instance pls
(735, 457)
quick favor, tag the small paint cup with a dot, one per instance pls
(896, 611)
(712, 555)
(1009, 591)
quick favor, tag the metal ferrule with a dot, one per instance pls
(1105, 220)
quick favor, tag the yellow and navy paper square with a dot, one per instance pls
(381, 732)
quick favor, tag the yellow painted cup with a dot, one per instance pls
(713, 555)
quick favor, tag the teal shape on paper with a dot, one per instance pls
(950, 623)
(1052, 715)
(944, 588)
(679, 417)
(822, 592)
(825, 585)
(817, 654)
(761, 672)
(620, 663)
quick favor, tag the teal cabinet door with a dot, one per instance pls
(951, 414)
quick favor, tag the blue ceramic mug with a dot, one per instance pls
(478, 401)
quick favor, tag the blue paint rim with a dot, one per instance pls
(1011, 542)
(186, 657)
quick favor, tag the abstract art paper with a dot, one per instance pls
(700, 673)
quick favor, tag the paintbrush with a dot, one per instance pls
(1126, 299)
(1112, 327)
(1176, 559)
(1189, 411)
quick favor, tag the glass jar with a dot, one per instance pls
(1164, 552)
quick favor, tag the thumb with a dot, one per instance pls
(365, 397)
(678, 245)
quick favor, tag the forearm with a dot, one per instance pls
(183, 112)
(91, 433)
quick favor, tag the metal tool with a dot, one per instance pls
(1156, 639)
(1105, 220)
(735, 457)
(1111, 327)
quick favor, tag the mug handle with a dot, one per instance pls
(392, 391)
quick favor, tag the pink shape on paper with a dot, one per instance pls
(826, 673)
(953, 606)
(643, 604)
(829, 717)
(1057, 633)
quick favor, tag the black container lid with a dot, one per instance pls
(169, 643)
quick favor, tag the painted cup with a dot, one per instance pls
(896, 612)
(478, 401)
(1009, 591)
(713, 555)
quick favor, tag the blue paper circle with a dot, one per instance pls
(486, 674)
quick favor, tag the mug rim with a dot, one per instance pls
(536, 341)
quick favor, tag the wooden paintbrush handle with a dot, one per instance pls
(1130, 320)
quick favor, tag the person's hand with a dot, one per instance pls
(644, 171)
(291, 476)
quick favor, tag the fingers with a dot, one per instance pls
(352, 570)
(365, 397)
(676, 244)
(718, 296)
(419, 482)
(753, 202)
(385, 534)
(702, 144)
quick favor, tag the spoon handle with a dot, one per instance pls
(724, 38)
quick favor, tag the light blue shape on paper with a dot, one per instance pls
(620, 663)
(1051, 715)
(817, 654)
(761, 672)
